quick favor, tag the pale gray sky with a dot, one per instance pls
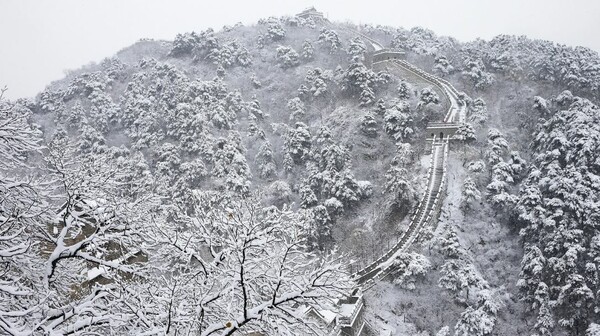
(39, 39)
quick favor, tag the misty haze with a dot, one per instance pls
(274, 169)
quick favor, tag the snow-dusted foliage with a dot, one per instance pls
(88, 250)
(558, 216)
(358, 80)
(238, 268)
(265, 162)
(316, 84)
(505, 171)
(298, 142)
(573, 68)
(206, 46)
(420, 41)
(442, 66)
(474, 322)
(275, 30)
(460, 276)
(465, 133)
(369, 124)
(398, 121)
(445, 331)
(297, 107)
(478, 113)
(357, 49)
(408, 267)
(330, 39)
(287, 57)
(593, 330)
(427, 97)
(308, 51)
(198, 186)
(76, 218)
(404, 90)
(475, 72)
(397, 183)
(470, 193)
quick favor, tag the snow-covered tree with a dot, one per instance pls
(297, 107)
(380, 107)
(477, 111)
(459, 276)
(298, 142)
(279, 193)
(448, 244)
(408, 268)
(470, 193)
(235, 267)
(230, 168)
(330, 39)
(497, 146)
(404, 90)
(287, 57)
(475, 71)
(265, 162)
(368, 125)
(542, 106)
(444, 331)
(308, 197)
(398, 121)
(397, 183)
(21, 211)
(275, 30)
(321, 228)
(575, 302)
(465, 133)
(288, 162)
(316, 84)
(308, 51)
(557, 213)
(593, 330)
(442, 66)
(185, 43)
(474, 322)
(254, 109)
(427, 97)
(360, 81)
(334, 157)
(356, 49)
(64, 234)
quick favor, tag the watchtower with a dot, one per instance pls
(387, 54)
(440, 131)
(312, 13)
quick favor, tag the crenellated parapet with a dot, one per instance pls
(387, 55)
(350, 320)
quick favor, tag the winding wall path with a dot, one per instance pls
(428, 209)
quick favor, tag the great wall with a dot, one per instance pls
(349, 320)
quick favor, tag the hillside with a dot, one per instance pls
(220, 182)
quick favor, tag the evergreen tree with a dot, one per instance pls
(265, 162)
(470, 194)
(308, 51)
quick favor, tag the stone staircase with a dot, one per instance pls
(425, 212)
(349, 320)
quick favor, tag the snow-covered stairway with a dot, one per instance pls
(350, 320)
(428, 207)
(423, 215)
(457, 110)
